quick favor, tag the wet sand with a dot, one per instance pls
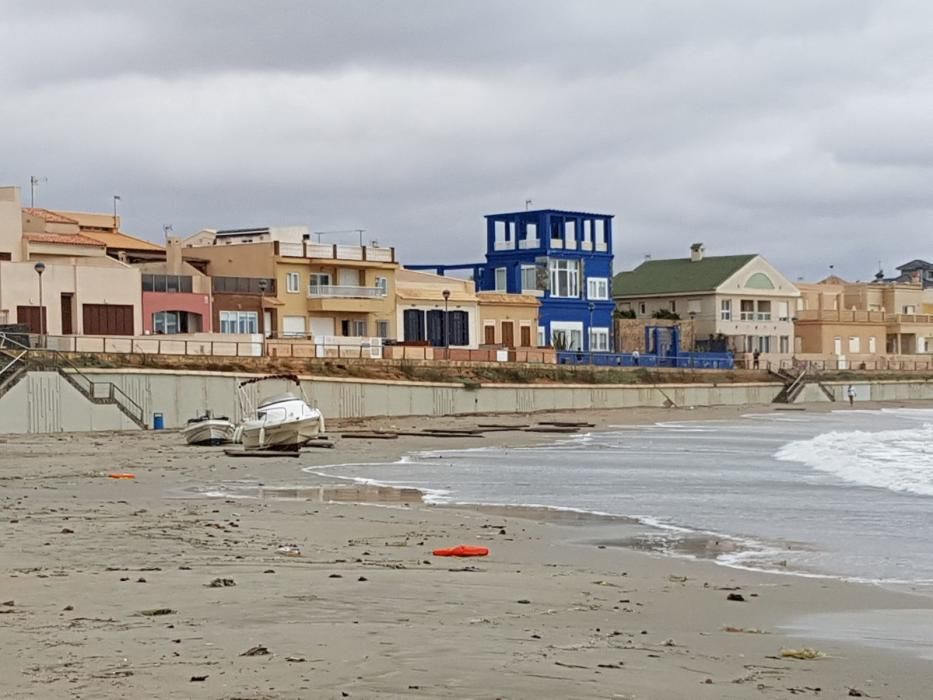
(558, 610)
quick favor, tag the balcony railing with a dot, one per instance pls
(327, 251)
(343, 291)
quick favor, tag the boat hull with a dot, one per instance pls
(286, 435)
(209, 432)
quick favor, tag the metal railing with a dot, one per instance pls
(79, 380)
(345, 291)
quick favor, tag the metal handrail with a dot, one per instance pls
(12, 362)
(127, 403)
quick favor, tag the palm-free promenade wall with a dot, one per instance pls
(44, 402)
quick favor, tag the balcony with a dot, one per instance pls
(344, 291)
(327, 251)
(342, 297)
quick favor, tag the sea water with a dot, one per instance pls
(847, 493)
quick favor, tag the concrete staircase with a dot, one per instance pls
(794, 385)
(17, 358)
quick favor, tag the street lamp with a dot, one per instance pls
(263, 286)
(591, 307)
(446, 295)
(39, 267)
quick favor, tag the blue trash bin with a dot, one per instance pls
(158, 421)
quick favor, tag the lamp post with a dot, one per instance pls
(263, 286)
(446, 294)
(591, 307)
(116, 198)
(39, 267)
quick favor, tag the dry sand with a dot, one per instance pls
(366, 611)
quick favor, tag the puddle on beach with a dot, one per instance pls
(330, 493)
(903, 631)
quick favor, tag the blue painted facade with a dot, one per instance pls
(564, 257)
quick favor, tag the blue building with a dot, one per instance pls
(565, 258)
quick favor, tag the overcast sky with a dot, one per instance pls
(799, 129)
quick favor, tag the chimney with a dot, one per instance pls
(173, 258)
(696, 252)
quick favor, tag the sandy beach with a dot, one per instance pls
(149, 587)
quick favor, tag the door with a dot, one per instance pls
(489, 335)
(837, 346)
(107, 319)
(267, 323)
(526, 336)
(67, 316)
(35, 320)
(508, 334)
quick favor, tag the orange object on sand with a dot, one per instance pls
(462, 550)
(118, 475)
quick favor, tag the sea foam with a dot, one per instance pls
(897, 460)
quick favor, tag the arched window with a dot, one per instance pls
(759, 280)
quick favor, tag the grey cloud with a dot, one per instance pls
(797, 129)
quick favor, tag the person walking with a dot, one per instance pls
(635, 356)
(756, 356)
(850, 392)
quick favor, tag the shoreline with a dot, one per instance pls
(366, 611)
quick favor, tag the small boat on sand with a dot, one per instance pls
(281, 422)
(208, 430)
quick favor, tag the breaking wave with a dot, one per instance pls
(897, 460)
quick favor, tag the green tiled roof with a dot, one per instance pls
(677, 276)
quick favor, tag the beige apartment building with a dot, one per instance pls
(736, 302)
(862, 320)
(82, 289)
(300, 290)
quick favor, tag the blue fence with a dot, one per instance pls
(684, 360)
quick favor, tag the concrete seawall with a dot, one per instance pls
(44, 402)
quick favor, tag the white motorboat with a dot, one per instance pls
(207, 430)
(283, 422)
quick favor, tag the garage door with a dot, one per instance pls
(107, 319)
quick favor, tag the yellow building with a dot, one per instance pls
(301, 289)
(510, 320)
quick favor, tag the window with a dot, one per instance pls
(317, 280)
(642, 308)
(855, 344)
(413, 320)
(747, 310)
(872, 345)
(673, 306)
(239, 322)
(542, 342)
(599, 340)
(565, 279)
(501, 279)
(382, 284)
(382, 329)
(597, 288)
(293, 326)
(783, 313)
(529, 278)
(353, 328)
(785, 344)
(292, 282)
(458, 328)
(167, 283)
(166, 322)
(909, 309)
(694, 306)
(6, 256)
(243, 285)
(764, 311)
(567, 335)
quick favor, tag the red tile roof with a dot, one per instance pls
(63, 238)
(50, 216)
